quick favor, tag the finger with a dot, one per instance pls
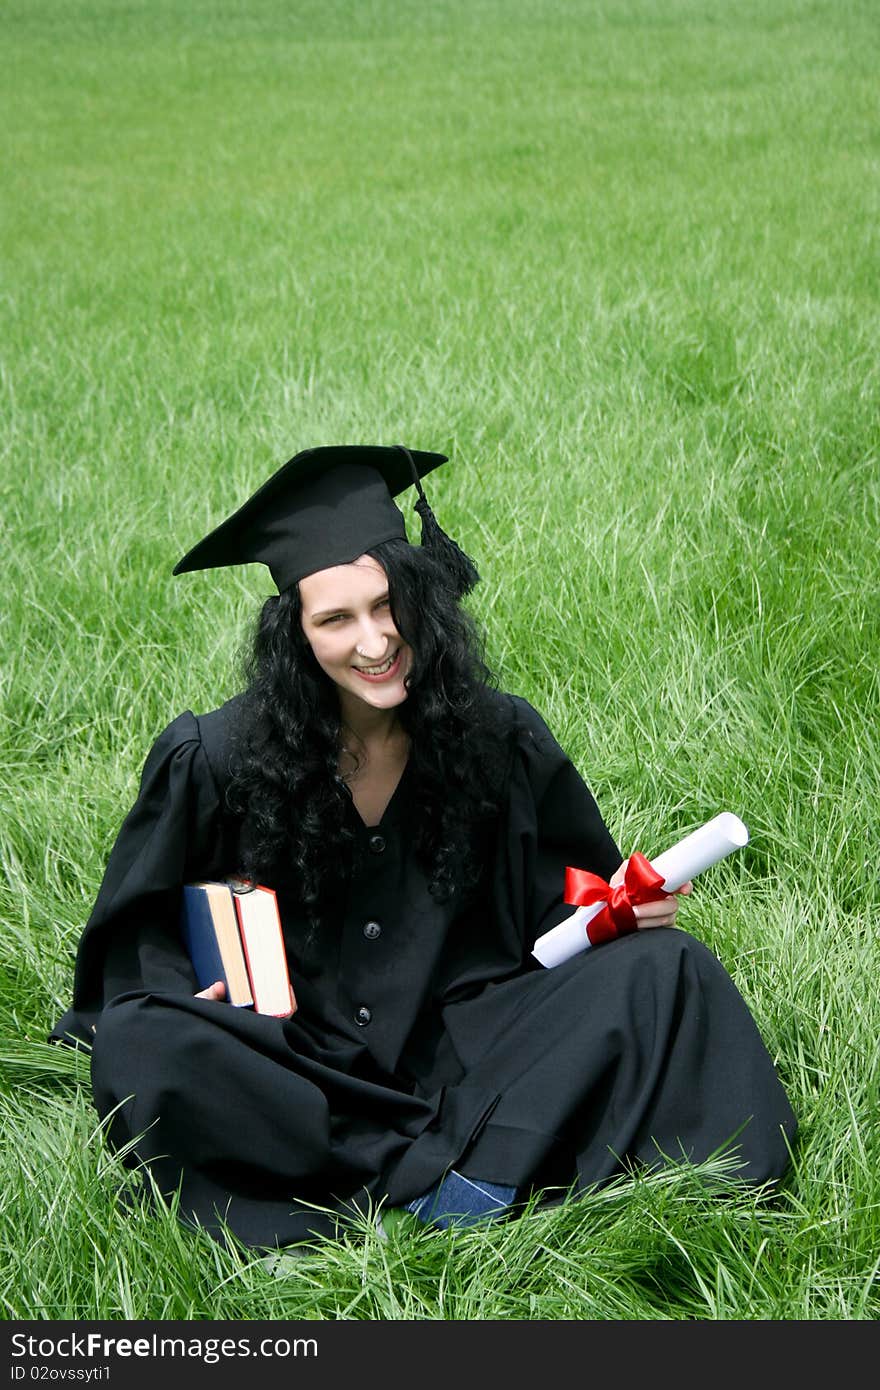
(216, 991)
(618, 875)
(662, 907)
(686, 888)
(657, 914)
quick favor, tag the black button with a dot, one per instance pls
(372, 930)
(377, 843)
(363, 1016)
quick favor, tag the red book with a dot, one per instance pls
(260, 927)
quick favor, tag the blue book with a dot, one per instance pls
(209, 927)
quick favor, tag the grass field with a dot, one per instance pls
(620, 261)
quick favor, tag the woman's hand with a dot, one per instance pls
(215, 991)
(658, 914)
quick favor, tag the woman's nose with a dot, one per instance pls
(373, 639)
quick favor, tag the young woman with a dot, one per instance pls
(416, 825)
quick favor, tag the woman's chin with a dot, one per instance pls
(382, 696)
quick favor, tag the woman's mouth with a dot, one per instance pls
(383, 670)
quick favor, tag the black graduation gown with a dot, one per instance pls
(429, 1039)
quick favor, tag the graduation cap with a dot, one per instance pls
(326, 507)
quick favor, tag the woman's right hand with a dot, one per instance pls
(661, 912)
(215, 991)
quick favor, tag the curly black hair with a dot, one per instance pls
(286, 785)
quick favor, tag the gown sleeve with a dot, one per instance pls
(171, 835)
(552, 821)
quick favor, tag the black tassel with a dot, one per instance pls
(463, 573)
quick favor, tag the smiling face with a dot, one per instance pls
(346, 617)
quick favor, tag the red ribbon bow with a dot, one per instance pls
(641, 884)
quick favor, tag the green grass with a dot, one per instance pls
(620, 261)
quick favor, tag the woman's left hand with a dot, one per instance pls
(658, 914)
(216, 991)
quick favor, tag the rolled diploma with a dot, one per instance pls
(696, 852)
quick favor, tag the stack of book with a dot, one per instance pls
(232, 932)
